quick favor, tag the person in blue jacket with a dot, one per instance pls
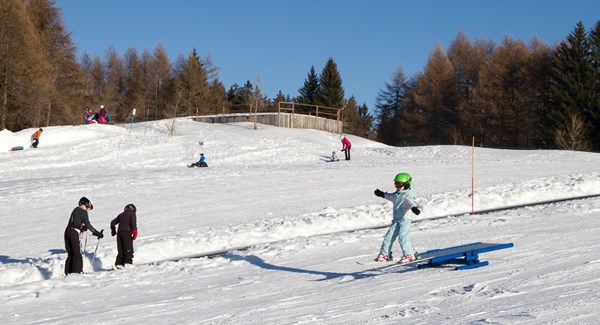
(200, 163)
(404, 200)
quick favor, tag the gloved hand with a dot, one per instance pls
(100, 234)
(379, 193)
(415, 210)
(134, 234)
(113, 232)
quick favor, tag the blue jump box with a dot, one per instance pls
(465, 255)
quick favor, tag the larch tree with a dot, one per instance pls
(65, 78)
(437, 96)
(23, 69)
(114, 87)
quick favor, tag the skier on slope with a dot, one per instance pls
(127, 233)
(79, 222)
(404, 200)
(35, 138)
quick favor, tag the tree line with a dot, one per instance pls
(511, 95)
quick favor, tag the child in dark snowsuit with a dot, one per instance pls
(127, 233)
(79, 222)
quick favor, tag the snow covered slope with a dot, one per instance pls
(271, 188)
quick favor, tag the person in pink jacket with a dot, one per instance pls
(346, 145)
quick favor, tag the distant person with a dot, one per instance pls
(404, 200)
(79, 222)
(200, 163)
(126, 234)
(346, 145)
(102, 115)
(35, 138)
(88, 115)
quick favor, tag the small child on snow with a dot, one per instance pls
(334, 156)
(126, 234)
(404, 199)
(200, 163)
(35, 138)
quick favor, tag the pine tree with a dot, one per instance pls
(308, 92)
(594, 37)
(389, 108)
(240, 97)
(572, 85)
(330, 93)
(279, 97)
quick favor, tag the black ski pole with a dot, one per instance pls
(95, 250)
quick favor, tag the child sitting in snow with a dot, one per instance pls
(200, 163)
(334, 156)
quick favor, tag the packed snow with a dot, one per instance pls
(303, 224)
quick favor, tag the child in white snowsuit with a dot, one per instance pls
(334, 156)
(404, 200)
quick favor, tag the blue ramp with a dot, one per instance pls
(465, 255)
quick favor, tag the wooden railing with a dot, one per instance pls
(309, 109)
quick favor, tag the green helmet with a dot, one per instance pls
(403, 178)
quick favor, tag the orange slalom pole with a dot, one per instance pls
(473, 177)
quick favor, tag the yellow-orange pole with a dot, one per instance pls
(473, 177)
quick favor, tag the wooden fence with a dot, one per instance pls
(287, 120)
(289, 115)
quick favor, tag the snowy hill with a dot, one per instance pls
(271, 189)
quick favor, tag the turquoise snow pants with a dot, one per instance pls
(398, 228)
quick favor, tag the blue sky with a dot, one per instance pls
(279, 40)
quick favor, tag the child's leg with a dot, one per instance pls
(389, 238)
(404, 239)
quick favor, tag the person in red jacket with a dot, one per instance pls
(126, 234)
(346, 145)
(35, 138)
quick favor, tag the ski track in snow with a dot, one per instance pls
(268, 189)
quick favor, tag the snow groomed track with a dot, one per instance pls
(477, 212)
